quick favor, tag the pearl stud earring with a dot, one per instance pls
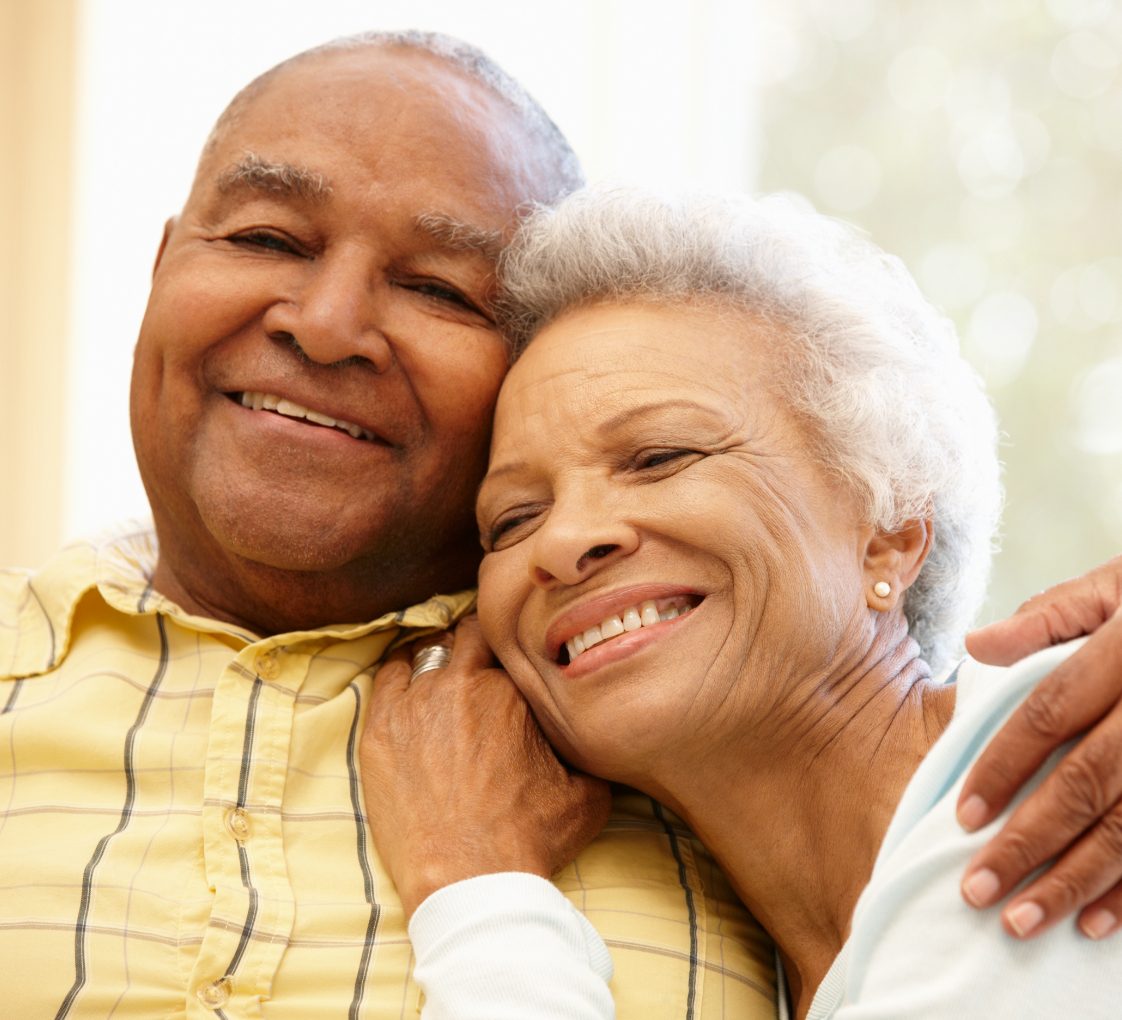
(882, 589)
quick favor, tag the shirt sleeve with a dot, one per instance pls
(509, 947)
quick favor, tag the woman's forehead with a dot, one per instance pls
(612, 346)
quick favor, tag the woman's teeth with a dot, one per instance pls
(645, 614)
(268, 402)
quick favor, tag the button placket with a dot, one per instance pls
(267, 665)
(238, 824)
(215, 994)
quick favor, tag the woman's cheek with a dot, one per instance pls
(498, 606)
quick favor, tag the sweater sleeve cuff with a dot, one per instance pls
(509, 941)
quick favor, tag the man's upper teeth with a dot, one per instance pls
(268, 402)
(645, 614)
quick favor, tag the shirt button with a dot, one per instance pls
(267, 666)
(237, 821)
(216, 994)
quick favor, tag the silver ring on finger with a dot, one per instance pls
(428, 658)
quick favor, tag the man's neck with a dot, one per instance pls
(266, 600)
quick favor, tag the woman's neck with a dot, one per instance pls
(796, 815)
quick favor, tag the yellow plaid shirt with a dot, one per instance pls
(182, 831)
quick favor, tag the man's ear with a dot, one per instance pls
(893, 560)
(169, 226)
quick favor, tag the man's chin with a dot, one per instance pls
(287, 540)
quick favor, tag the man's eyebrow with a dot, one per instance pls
(258, 174)
(456, 235)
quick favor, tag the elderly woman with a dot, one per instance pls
(738, 515)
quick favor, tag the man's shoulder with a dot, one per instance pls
(37, 606)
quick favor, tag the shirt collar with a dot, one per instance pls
(37, 609)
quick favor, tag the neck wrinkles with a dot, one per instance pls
(797, 810)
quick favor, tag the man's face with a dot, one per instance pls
(332, 265)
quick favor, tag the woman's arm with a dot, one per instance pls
(509, 947)
(1076, 816)
(471, 812)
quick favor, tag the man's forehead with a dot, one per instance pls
(399, 75)
(358, 84)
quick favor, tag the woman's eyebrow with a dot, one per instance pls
(650, 409)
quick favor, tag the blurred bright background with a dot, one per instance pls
(981, 142)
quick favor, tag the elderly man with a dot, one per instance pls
(183, 831)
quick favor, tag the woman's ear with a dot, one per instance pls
(893, 560)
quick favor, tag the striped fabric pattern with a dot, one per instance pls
(182, 831)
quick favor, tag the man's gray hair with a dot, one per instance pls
(562, 160)
(872, 370)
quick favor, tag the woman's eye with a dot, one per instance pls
(657, 458)
(506, 528)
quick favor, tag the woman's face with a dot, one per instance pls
(652, 502)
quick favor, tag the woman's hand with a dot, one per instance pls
(1076, 814)
(459, 781)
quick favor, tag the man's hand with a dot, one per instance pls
(1076, 814)
(459, 780)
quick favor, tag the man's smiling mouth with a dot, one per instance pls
(289, 409)
(648, 613)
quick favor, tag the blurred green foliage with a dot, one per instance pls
(982, 143)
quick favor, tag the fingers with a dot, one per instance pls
(1104, 916)
(470, 650)
(1087, 874)
(458, 751)
(1083, 693)
(470, 653)
(1070, 801)
(1075, 816)
(1008, 641)
(1067, 610)
(392, 676)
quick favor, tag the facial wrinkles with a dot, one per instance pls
(439, 215)
(765, 467)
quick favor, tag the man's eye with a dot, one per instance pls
(267, 241)
(442, 292)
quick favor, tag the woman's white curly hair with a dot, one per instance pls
(874, 371)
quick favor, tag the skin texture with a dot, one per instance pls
(531, 813)
(301, 266)
(623, 466)
(1077, 815)
(314, 282)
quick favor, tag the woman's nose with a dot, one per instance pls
(333, 317)
(572, 547)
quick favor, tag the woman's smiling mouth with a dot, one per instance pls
(644, 614)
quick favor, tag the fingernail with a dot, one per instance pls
(972, 812)
(1099, 924)
(1024, 917)
(981, 887)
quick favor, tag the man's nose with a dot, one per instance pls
(333, 316)
(577, 542)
